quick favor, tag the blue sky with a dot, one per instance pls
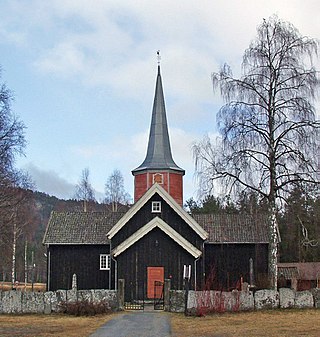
(83, 76)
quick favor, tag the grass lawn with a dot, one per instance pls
(50, 325)
(273, 323)
(276, 323)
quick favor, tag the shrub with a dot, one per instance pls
(84, 308)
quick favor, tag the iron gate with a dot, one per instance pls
(134, 296)
(158, 295)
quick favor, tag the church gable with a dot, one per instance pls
(164, 227)
(157, 203)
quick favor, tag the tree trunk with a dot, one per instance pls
(25, 265)
(273, 248)
(14, 244)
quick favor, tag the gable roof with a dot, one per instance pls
(157, 222)
(288, 272)
(233, 228)
(80, 227)
(156, 188)
(91, 227)
(304, 270)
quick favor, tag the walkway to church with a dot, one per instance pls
(136, 324)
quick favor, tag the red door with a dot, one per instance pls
(154, 274)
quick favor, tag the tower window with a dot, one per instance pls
(158, 178)
(156, 207)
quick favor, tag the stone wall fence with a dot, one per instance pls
(219, 301)
(19, 302)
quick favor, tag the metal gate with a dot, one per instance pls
(134, 296)
(158, 295)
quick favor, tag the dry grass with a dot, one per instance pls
(50, 325)
(6, 286)
(289, 323)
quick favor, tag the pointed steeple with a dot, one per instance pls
(159, 166)
(159, 156)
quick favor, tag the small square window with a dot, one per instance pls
(104, 262)
(156, 207)
(158, 178)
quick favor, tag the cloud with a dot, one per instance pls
(50, 182)
(113, 43)
(109, 47)
(127, 154)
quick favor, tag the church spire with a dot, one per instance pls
(159, 166)
(159, 154)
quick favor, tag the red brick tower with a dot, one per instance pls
(159, 166)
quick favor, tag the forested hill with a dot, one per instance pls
(33, 212)
(299, 224)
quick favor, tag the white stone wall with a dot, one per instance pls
(208, 301)
(19, 302)
(216, 301)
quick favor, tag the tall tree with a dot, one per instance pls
(300, 226)
(12, 143)
(211, 204)
(270, 135)
(114, 190)
(84, 189)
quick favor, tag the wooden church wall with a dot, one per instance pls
(225, 264)
(82, 260)
(155, 249)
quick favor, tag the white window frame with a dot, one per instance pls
(105, 262)
(156, 207)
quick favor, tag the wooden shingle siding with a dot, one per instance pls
(82, 260)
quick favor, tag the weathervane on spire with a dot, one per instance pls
(158, 57)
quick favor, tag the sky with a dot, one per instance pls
(83, 77)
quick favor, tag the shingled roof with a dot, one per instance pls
(233, 228)
(92, 227)
(80, 227)
(303, 270)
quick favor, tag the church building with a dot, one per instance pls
(156, 238)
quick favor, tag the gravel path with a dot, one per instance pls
(136, 324)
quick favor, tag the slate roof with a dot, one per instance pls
(159, 154)
(288, 272)
(92, 227)
(80, 227)
(305, 270)
(233, 228)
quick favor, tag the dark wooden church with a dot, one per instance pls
(156, 237)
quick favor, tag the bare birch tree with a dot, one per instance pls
(12, 143)
(115, 192)
(84, 189)
(270, 135)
